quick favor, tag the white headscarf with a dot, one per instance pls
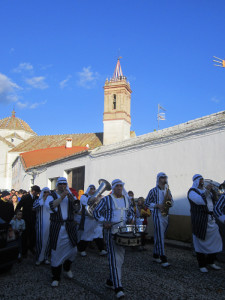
(159, 175)
(115, 182)
(88, 189)
(196, 178)
(45, 189)
(64, 180)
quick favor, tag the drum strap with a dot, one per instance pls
(122, 209)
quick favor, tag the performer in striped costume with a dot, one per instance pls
(115, 208)
(219, 209)
(206, 237)
(154, 202)
(63, 231)
(92, 229)
(42, 228)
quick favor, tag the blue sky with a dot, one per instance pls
(56, 55)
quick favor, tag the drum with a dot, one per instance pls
(126, 229)
(140, 228)
(128, 239)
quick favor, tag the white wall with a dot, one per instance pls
(115, 131)
(179, 159)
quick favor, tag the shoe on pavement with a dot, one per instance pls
(69, 274)
(103, 252)
(55, 283)
(215, 267)
(165, 265)
(157, 260)
(204, 270)
(37, 263)
(120, 295)
(83, 254)
(109, 284)
(47, 262)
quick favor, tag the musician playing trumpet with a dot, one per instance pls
(159, 200)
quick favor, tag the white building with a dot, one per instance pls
(13, 131)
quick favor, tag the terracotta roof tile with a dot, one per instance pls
(43, 156)
(48, 141)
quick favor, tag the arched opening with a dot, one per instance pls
(114, 101)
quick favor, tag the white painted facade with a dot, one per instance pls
(14, 137)
(181, 151)
(116, 131)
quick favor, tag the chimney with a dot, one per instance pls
(69, 143)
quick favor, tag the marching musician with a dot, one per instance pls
(114, 210)
(63, 232)
(42, 228)
(220, 205)
(206, 237)
(92, 230)
(155, 202)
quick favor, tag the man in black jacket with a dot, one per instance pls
(6, 207)
(29, 216)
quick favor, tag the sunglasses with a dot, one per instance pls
(62, 183)
(46, 192)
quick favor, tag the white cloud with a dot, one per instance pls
(215, 99)
(23, 67)
(37, 82)
(30, 105)
(87, 78)
(8, 89)
(64, 82)
(36, 104)
(21, 104)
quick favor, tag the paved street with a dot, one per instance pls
(142, 279)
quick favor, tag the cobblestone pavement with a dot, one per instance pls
(142, 279)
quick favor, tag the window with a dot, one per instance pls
(114, 101)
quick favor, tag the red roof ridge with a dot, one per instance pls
(64, 146)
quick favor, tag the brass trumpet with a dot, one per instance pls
(167, 203)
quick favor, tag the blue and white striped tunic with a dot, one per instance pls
(219, 209)
(156, 196)
(105, 208)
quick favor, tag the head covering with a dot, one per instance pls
(115, 182)
(196, 178)
(90, 187)
(159, 175)
(5, 193)
(45, 189)
(63, 180)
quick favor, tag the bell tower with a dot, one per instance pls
(117, 96)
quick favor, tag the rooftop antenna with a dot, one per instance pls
(220, 62)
